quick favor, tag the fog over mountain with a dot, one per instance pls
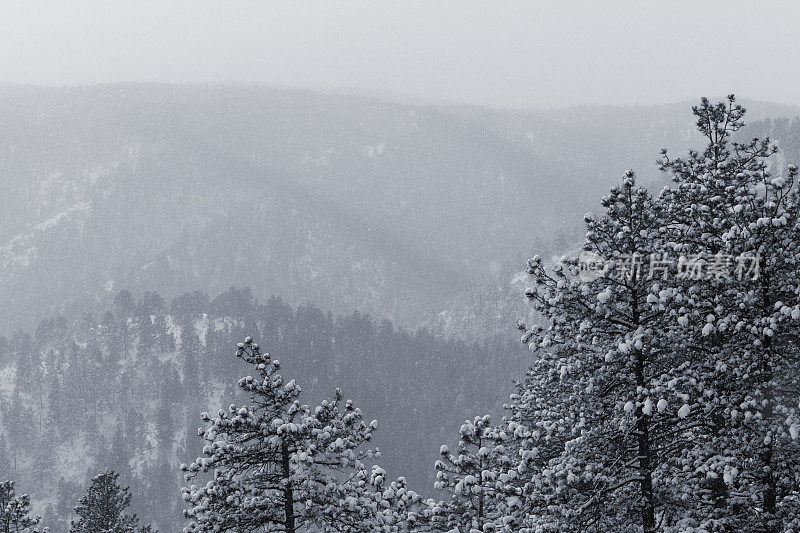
(393, 209)
(512, 54)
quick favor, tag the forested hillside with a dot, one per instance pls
(124, 390)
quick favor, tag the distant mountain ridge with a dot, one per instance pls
(349, 202)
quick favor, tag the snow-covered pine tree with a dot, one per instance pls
(397, 508)
(472, 478)
(102, 509)
(608, 410)
(540, 399)
(739, 222)
(279, 465)
(15, 511)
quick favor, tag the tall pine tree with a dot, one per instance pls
(612, 416)
(15, 511)
(280, 465)
(738, 218)
(102, 509)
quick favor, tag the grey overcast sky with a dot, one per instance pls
(507, 54)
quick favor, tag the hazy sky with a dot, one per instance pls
(510, 54)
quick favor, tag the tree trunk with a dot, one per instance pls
(288, 496)
(769, 499)
(646, 486)
(769, 503)
(648, 511)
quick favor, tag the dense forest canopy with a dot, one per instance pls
(124, 389)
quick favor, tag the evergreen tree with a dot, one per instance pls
(277, 464)
(102, 509)
(611, 400)
(397, 508)
(474, 476)
(15, 511)
(666, 392)
(741, 224)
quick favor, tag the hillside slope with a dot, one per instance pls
(349, 202)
